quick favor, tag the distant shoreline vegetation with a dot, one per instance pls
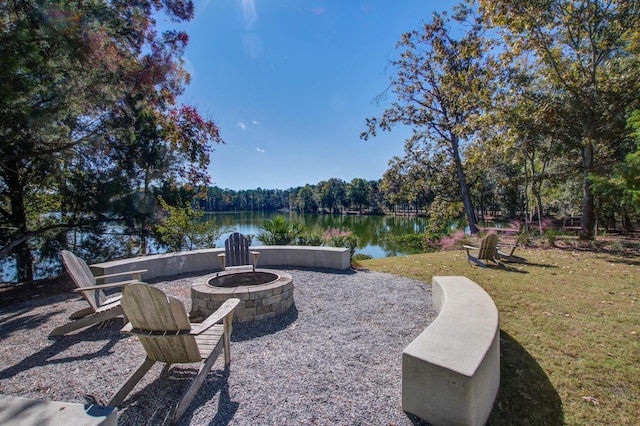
(359, 196)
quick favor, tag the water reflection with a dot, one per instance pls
(373, 231)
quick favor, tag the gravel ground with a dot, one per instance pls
(334, 358)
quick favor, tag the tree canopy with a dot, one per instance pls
(88, 122)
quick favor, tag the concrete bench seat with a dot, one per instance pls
(206, 260)
(451, 371)
(19, 411)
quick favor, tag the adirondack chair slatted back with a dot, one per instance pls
(236, 249)
(488, 247)
(165, 321)
(82, 277)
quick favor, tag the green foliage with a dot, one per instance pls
(441, 213)
(442, 77)
(342, 238)
(279, 231)
(630, 169)
(413, 242)
(577, 61)
(356, 258)
(90, 122)
(178, 228)
(568, 324)
(310, 239)
(358, 192)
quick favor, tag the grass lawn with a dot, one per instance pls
(569, 331)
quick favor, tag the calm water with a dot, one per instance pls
(373, 231)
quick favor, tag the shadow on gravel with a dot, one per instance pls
(107, 331)
(526, 395)
(18, 321)
(154, 403)
(253, 330)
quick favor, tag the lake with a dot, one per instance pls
(373, 231)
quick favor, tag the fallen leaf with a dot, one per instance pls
(591, 400)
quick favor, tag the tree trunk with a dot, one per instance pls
(24, 261)
(587, 220)
(464, 188)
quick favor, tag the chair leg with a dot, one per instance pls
(81, 313)
(131, 382)
(190, 393)
(227, 324)
(476, 261)
(86, 321)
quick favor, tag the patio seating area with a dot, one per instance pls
(333, 358)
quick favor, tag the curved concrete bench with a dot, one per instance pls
(451, 371)
(206, 260)
(19, 411)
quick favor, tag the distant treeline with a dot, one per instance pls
(332, 196)
(337, 196)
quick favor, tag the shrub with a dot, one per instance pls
(408, 241)
(177, 228)
(341, 238)
(361, 256)
(454, 241)
(280, 232)
(310, 239)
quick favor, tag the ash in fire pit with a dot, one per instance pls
(235, 279)
(263, 294)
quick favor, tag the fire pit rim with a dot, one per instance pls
(275, 274)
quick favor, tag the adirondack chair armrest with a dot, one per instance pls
(137, 275)
(508, 249)
(127, 328)
(255, 254)
(104, 286)
(470, 247)
(224, 310)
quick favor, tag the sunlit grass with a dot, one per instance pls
(570, 332)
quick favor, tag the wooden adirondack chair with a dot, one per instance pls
(236, 253)
(505, 251)
(488, 251)
(101, 307)
(162, 325)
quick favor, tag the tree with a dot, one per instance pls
(520, 133)
(440, 83)
(620, 193)
(584, 50)
(178, 228)
(409, 180)
(78, 80)
(305, 202)
(333, 194)
(358, 192)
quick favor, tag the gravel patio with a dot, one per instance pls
(334, 358)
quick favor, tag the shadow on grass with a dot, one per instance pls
(526, 396)
(625, 261)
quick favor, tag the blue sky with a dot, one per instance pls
(290, 83)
